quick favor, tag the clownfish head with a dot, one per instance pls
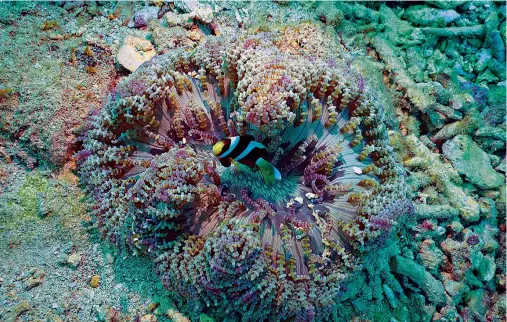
(218, 148)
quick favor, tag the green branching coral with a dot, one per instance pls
(231, 246)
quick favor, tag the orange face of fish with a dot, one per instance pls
(218, 148)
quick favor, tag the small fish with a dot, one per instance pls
(245, 150)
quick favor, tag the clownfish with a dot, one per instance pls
(245, 150)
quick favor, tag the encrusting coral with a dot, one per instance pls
(232, 246)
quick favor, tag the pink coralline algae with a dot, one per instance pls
(230, 245)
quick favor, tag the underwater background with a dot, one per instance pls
(385, 119)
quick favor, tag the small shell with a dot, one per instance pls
(299, 200)
(311, 195)
(357, 170)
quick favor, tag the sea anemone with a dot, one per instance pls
(229, 244)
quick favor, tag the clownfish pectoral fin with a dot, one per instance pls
(268, 171)
(235, 164)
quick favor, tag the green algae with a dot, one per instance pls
(31, 195)
(38, 197)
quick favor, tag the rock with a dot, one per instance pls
(142, 17)
(169, 38)
(432, 288)
(329, 14)
(447, 4)
(395, 29)
(176, 316)
(495, 160)
(425, 211)
(501, 167)
(430, 255)
(74, 260)
(34, 280)
(455, 289)
(459, 254)
(192, 9)
(414, 57)
(148, 318)
(95, 281)
(203, 13)
(472, 162)
(487, 77)
(497, 95)
(490, 145)
(448, 112)
(134, 52)
(92, 8)
(425, 16)
(110, 258)
(56, 36)
(436, 63)
(391, 298)
(486, 269)
(17, 311)
(493, 194)
(173, 19)
(416, 73)
(456, 226)
(70, 5)
(483, 58)
(467, 125)
(461, 101)
(195, 34)
(152, 306)
(491, 132)
(475, 301)
(186, 5)
(446, 178)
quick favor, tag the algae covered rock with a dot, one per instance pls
(425, 16)
(134, 52)
(432, 288)
(142, 17)
(487, 269)
(446, 4)
(472, 162)
(74, 260)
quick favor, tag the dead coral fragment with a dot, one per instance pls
(91, 69)
(88, 51)
(49, 25)
(5, 92)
